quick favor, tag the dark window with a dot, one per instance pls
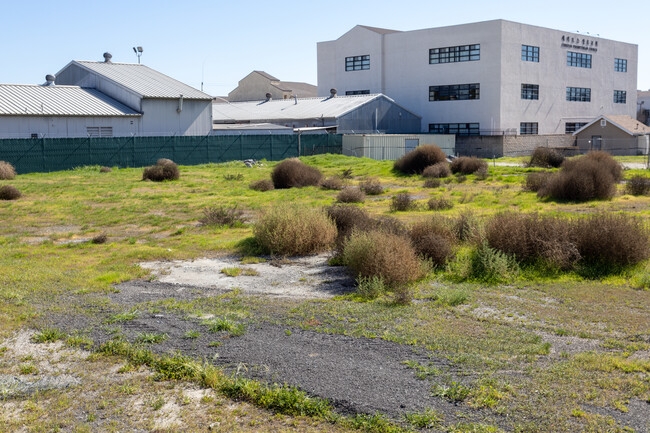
(357, 63)
(357, 92)
(34, 135)
(461, 53)
(529, 91)
(529, 53)
(455, 92)
(620, 96)
(571, 127)
(454, 128)
(528, 128)
(580, 60)
(579, 94)
(620, 65)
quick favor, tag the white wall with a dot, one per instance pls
(61, 127)
(160, 117)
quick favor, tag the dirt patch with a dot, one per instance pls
(306, 277)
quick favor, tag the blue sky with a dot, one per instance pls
(220, 42)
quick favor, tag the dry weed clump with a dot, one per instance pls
(438, 170)
(536, 180)
(431, 182)
(9, 192)
(467, 165)
(638, 185)
(351, 195)
(589, 177)
(434, 240)
(293, 173)
(439, 204)
(385, 255)
(419, 158)
(402, 202)
(545, 157)
(467, 227)
(223, 216)
(99, 239)
(105, 169)
(292, 231)
(333, 183)
(7, 171)
(371, 186)
(262, 185)
(165, 169)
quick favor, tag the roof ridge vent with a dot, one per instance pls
(49, 78)
(107, 57)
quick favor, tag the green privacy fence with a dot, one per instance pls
(53, 154)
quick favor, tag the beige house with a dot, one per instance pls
(256, 85)
(618, 135)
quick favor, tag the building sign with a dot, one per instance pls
(579, 43)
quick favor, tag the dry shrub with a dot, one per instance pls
(605, 159)
(481, 173)
(545, 157)
(262, 185)
(293, 173)
(467, 228)
(388, 224)
(536, 180)
(333, 182)
(402, 202)
(440, 169)
(592, 176)
(105, 169)
(638, 185)
(350, 195)
(433, 240)
(385, 255)
(439, 204)
(231, 176)
(7, 171)
(432, 183)
(9, 192)
(292, 231)
(531, 237)
(612, 240)
(420, 158)
(223, 216)
(99, 239)
(467, 165)
(371, 186)
(165, 169)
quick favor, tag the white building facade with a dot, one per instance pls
(487, 78)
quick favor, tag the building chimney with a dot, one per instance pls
(108, 57)
(50, 79)
(269, 96)
(332, 93)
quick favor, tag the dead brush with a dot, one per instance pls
(440, 203)
(638, 185)
(432, 183)
(165, 169)
(371, 186)
(7, 171)
(438, 170)
(105, 169)
(293, 173)
(434, 240)
(262, 185)
(536, 180)
(99, 239)
(332, 183)
(545, 157)
(9, 192)
(467, 227)
(402, 202)
(223, 216)
(467, 165)
(351, 195)
(589, 177)
(415, 161)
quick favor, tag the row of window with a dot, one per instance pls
(467, 129)
(468, 53)
(455, 92)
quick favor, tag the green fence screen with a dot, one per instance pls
(53, 154)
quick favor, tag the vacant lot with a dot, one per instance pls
(170, 324)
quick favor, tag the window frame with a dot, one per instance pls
(455, 92)
(578, 94)
(620, 65)
(468, 128)
(357, 63)
(528, 128)
(530, 91)
(575, 126)
(455, 54)
(578, 60)
(530, 53)
(620, 97)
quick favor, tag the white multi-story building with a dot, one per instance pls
(492, 77)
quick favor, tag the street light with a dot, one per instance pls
(138, 52)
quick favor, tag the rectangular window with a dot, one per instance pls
(455, 92)
(462, 129)
(571, 127)
(530, 91)
(528, 128)
(461, 53)
(620, 96)
(579, 94)
(357, 92)
(99, 131)
(529, 53)
(620, 65)
(357, 63)
(579, 60)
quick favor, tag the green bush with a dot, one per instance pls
(491, 266)
(292, 231)
(293, 173)
(419, 158)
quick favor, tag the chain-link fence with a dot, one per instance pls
(52, 154)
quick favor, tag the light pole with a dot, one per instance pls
(138, 52)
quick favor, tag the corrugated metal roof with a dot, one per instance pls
(287, 109)
(33, 100)
(143, 80)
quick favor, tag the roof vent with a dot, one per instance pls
(295, 99)
(332, 93)
(50, 79)
(269, 96)
(107, 57)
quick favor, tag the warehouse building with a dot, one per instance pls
(340, 114)
(486, 78)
